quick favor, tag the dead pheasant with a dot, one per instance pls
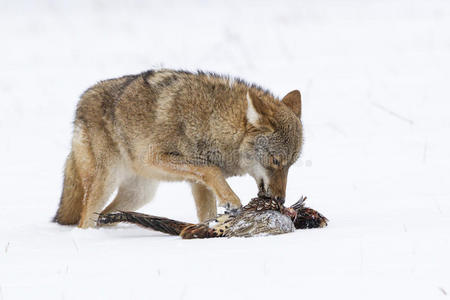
(261, 216)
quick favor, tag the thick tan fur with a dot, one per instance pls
(134, 131)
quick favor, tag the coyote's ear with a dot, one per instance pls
(293, 100)
(255, 108)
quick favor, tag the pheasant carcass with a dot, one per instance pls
(261, 216)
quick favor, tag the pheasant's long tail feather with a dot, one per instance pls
(199, 231)
(160, 224)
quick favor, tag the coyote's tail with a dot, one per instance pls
(160, 224)
(70, 205)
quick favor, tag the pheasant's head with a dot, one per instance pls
(306, 217)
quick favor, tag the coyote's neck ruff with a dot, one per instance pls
(262, 216)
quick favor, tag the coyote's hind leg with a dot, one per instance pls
(133, 193)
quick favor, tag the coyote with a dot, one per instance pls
(164, 125)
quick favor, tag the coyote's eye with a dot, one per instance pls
(275, 161)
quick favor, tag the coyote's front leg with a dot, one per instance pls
(210, 176)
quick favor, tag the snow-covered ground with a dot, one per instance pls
(375, 79)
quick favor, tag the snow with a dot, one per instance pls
(374, 77)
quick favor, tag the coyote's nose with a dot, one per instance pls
(280, 199)
(262, 194)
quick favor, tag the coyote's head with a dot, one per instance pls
(275, 140)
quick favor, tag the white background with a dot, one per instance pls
(374, 76)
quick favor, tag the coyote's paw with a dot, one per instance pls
(231, 202)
